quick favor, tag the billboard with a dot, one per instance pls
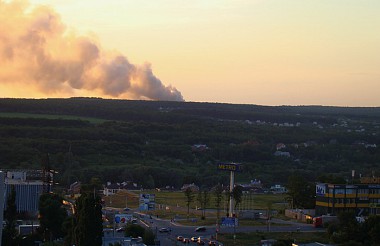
(122, 218)
(229, 221)
(147, 202)
(234, 167)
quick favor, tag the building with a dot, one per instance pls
(278, 189)
(363, 198)
(28, 185)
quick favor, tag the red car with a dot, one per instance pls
(186, 240)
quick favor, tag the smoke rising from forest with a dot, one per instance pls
(38, 51)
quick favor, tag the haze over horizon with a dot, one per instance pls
(265, 52)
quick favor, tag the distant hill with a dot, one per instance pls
(152, 142)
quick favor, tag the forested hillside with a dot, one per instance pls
(158, 143)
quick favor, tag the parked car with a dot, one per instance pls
(186, 240)
(180, 238)
(121, 229)
(194, 239)
(164, 229)
(200, 229)
(201, 242)
(212, 243)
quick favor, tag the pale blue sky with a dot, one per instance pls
(270, 52)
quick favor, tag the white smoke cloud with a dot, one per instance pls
(37, 49)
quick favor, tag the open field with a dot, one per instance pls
(178, 199)
(172, 205)
(51, 116)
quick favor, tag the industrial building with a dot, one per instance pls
(363, 198)
(28, 185)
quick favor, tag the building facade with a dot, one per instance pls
(28, 185)
(362, 199)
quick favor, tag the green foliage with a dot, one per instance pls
(237, 193)
(203, 199)
(10, 216)
(189, 195)
(349, 232)
(218, 194)
(134, 230)
(150, 143)
(52, 214)
(88, 220)
(148, 237)
(301, 192)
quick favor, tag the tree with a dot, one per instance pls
(301, 192)
(347, 229)
(203, 199)
(133, 230)
(218, 192)
(371, 230)
(237, 193)
(10, 215)
(148, 237)
(189, 199)
(88, 228)
(52, 214)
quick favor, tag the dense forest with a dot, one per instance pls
(158, 144)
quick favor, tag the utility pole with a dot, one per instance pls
(232, 183)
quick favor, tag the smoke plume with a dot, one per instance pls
(37, 50)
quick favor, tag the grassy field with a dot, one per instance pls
(51, 116)
(178, 199)
(172, 205)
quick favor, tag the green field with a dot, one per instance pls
(51, 116)
(171, 205)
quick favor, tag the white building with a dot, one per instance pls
(28, 185)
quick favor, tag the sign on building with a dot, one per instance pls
(320, 190)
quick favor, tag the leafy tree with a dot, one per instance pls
(68, 229)
(348, 228)
(371, 230)
(148, 237)
(218, 193)
(52, 214)
(301, 192)
(10, 215)
(189, 199)
(203, 199)
(237, 193)
(89, 228)
(133, 230)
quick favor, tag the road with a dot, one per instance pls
(169, 238)
(189, 231)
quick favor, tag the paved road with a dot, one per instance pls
(168, 239)
(189, 231)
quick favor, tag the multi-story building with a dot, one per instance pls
(363, 198)
(28, 185)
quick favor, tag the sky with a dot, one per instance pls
(266, 52)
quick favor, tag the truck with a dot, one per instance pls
(321, 221)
